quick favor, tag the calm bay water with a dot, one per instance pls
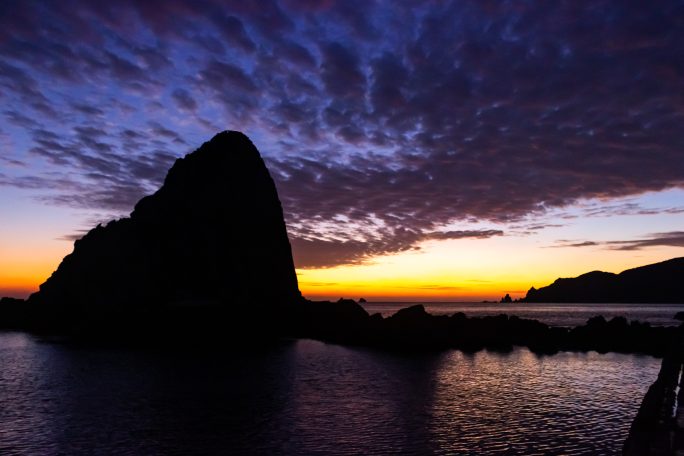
(307, 397)
(557, 314)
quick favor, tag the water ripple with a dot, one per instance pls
(307, 397)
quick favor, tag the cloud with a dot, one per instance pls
(340, 72)
(432, 287)
(391, 123)
(184, 100)
(233, 32)
(321, 253)
(667, 239)
(627, 208)
(73, 236)
(565, 243)
(464, 234)
(158, 130)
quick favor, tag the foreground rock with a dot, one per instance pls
(208, 248)
(658, 428)
(345, 322)
(413, 329)
(654, 283)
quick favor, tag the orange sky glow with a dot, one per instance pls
(438, 270)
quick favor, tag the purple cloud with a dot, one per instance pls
(184, 100)
(391, 123)
(669, 239)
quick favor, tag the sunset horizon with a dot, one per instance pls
(471, 267)
(342, 227)
(432, 272)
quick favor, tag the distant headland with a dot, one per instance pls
(654, 283)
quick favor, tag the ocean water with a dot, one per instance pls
(557, 314)
(308, 397)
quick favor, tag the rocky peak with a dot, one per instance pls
(213, 233)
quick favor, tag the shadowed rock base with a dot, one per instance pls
(345, 322)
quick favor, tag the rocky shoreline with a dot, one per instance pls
(346, 322)
(413, 329)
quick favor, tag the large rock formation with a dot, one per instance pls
(654, 283)
(212, 236)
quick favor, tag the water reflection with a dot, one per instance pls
(306, 397)
(356, 401)
(558, 314)
(520, 403)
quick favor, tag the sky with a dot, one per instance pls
(422, 150)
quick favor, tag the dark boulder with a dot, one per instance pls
(412, 328)
(342, 321)
(14, 313)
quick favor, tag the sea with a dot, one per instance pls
(306, 397)
(556, 314)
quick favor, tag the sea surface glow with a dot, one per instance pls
(553, 314)
(308, 397)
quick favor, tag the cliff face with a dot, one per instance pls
(212, 234)
(654, 283)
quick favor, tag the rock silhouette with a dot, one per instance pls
(213, 236)
(654, 283)
(655, 429)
